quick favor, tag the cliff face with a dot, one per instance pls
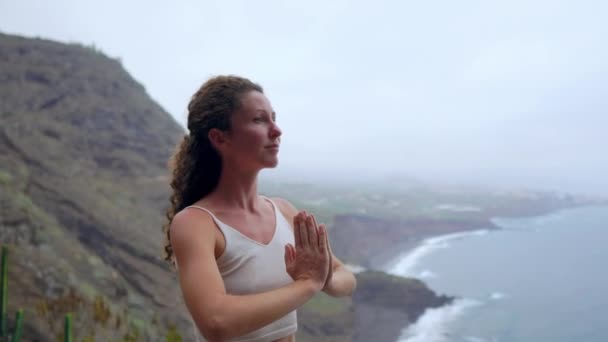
(83, 188)
(82, 149)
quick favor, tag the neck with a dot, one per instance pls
(237, 188)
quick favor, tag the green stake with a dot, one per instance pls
(18, 326)
(67, 333)
(4, 294)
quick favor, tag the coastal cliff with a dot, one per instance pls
(380, 308)
(83, 188)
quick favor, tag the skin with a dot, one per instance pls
(250, 146)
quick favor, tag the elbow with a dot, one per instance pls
(354, 286)
(214, 329)
(344, 288)
(350, 287)
(349, 291)
(214, 321)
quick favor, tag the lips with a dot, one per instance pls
(273, 148)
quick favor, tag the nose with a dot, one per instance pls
(275, 131)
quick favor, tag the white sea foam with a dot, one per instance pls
(497, 295)
(406, 263)
(512, 224)
(527, 223)
(355, 268)
(426, 274)
(457, 207)
(474, 339)
(479, 339)
(434, 324)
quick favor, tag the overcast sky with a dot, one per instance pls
(512, 93)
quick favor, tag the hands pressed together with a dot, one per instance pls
(310, 258)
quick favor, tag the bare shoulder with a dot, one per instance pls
(288, 210)
(190, 221)
(190, 229)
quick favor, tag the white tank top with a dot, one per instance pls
(248, 267)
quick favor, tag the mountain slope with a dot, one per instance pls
(82, 148)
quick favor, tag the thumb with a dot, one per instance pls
(292, 252)
(327, 240)
(289, 253)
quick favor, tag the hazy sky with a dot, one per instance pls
(497, 92)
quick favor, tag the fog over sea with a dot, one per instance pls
(540, 279)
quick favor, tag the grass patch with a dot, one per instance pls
(5, 177)
(326, 305)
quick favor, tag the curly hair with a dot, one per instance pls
(196, 166)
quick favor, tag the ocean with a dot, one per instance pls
(541, 279)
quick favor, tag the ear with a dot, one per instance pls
(217, 138)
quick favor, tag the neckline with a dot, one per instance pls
(276, 224)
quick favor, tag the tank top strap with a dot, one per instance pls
(203, 209)
(224, 228)
(274, 206)
(217, 220)
(227, 229)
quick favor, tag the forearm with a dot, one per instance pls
(342, 283)
(238, 315)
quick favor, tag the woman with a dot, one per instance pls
(243, 268)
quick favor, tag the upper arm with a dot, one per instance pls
(193, 241)
(289, 211)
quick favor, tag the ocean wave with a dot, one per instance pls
(527, 223)
(426, 274)
(497, 295)
(479, 339)
(355, 268)
(406, 263)
(434, 324)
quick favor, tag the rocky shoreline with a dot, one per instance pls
(375, 243)
(380, 308)
(384, 306)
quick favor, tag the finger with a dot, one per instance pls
(319, 237)
(292, 252)
(322, 240)
(327, 239)
(314, 221)
(304, 238)
(326, 245)
(296, 230)
(312, 233)
(287, 257)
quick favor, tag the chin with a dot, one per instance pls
(272, 164)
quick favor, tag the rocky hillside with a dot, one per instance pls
(82, 147)
(83, 152)
(378, 311)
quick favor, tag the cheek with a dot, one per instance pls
(250, 138)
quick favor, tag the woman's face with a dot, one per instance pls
(254, 138)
